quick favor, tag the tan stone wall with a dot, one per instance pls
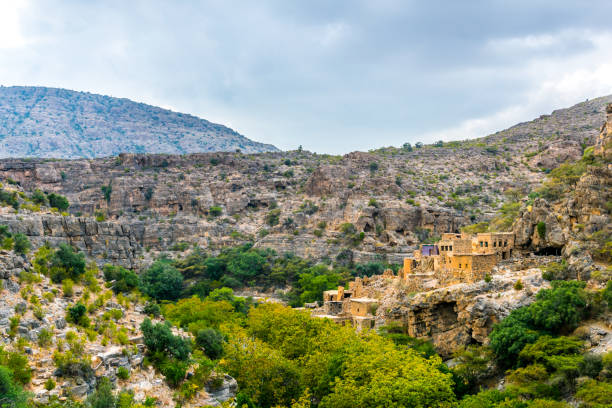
(361, 308)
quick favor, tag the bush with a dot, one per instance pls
(159, 338)
(66, 263)
(510, 336)
(22, 244)
(555, 271)
(162, 281)
(11, 393)
(107, 190)
(49, 384)
(215, 211)
(152, 309)
(17, 363)
(561, 307)
(68, 287)
(125, 280)
(273, 217)
(58, 201)
(373, 166)
(123, 373)
(44, 337)
(38, 197)
(595, 394)
(77, 315)
(541, 227)
(211, 340)
(103, 396)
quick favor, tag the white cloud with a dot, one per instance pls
(556, 82)
(11, 35)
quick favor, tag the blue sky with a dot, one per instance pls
(334, 76)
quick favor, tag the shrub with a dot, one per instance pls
(152, 309)
(211, 340)
(373, 166)
(103, 396)
(66, 263)
(215, 211)
(541, 227)
(38, 197)
(510, 336)
(44, 337)
(273, 217)
(12, 394)
(58, 201)
(518, 285)
(68, 287)
(22, 244)
(106, 191)
(49, 384)
(561, 307)
(595, 394)
(124, 280)
(77, 315)
(555, 271)
(159, 338)
(123, 373)
(162, 281)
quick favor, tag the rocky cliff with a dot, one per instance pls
(365, 206)
(578, 223)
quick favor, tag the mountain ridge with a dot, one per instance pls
(60, 123)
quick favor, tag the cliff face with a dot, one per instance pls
(294, 201)
(577, 225)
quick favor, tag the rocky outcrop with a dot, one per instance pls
(462, 314)
(603, 146)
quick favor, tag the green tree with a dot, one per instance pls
(211, 340)
(12, 394)
(103, 396)
(162, 281)
(66, 263)
(510, 336)
(159, 338)
(124, 279)
(562, 306)
(22, 243)
(58, 201)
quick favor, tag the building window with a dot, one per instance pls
(481, 244)
(505, 243)
(450, 248)
(494, 244)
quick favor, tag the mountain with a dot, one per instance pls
(59, 123)
(299, 201)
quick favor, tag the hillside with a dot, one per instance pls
(59, 123)
(77, 329)
(312, 205)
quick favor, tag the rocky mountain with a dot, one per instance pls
(59, 123)
(362, 206)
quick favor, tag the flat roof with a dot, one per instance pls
(363, 300)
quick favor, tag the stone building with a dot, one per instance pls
(343, 306)
(460, 257)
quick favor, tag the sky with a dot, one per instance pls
(333, 76)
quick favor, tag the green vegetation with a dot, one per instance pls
(58, 201)
(123, 280)
(162, 281)
(282, 355)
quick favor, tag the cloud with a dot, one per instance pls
(10, 27)
(554, 82)
(331, 76)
